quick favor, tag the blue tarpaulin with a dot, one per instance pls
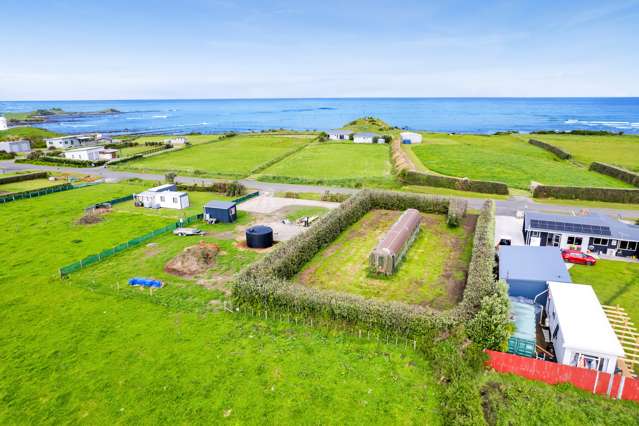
(144, 282)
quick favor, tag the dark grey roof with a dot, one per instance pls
(340, 132)
(366, 134)
(532, 263)
(593, 224)
(220, 204)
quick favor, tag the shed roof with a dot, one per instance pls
(161, 188)
(86, 148)
(393, 241)
(603, 223)
(366, 135)
(215, 204)
(339, 132)
(582, 320)
(531, 263)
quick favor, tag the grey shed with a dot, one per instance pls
(386, 256)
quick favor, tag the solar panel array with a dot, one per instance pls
(571, 227)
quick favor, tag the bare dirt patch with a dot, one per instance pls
(92, 217)
(193, 260)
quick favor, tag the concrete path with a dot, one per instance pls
(504, 207)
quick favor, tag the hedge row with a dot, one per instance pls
(347, 183)
(611, 195)
(456, 212)
(45, 160)
(23, 177)
(461, 184)
(266, 283)
(616, 172)
(126, 159)
(231, 189)
(564, 155)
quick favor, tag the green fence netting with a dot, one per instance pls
(134, 242)
(246, 197)
(35, 193)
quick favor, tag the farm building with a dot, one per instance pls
(410, 138)
(178, 140)
(89, 153)
(220, 211)
(592, 233)
(580, 331)
(339, 135)
(527, 270)
(108, 154)
(22, 145)
(163, 196)
(387, 255)
(3, 123)
(366, 137)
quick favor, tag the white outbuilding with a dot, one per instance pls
(3, 123)
(22, 145)
(89, 153)
(163, 196)
(367, 137)
(410, 138)
(579, 328)
(339, 135)
(177, 140)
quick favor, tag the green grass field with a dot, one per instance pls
(234, 157)
(333, 161)
(616, 283)
(90, 349)
(26, 185)
(505, 159)
(619, 150)
(193, 139)
(432, 273)
(34, 134)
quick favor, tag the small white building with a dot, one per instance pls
(339, 135)
(108, 154)
(410, 138)
(72, 141)
(3, 123)
(163, 196)
(579, 329)
(88, 153)
(22, 145)
(178, 140)
(367, 137)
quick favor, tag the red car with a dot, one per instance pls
(575, 256)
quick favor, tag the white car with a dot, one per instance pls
(186, 232)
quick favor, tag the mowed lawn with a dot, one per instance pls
(505, 159)
(335, 161)
(618, 150)
(433, 272)
(90, 349)
(233, 157)
(27, 185)
(193, 139)
(616, 283)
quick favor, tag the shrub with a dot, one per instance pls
(235, 189)
(461, 184)
(616, 172)
(291, 194)
(564, 155)
(456, 212)
(611, 195)
(4, 155)
(219, 187)
(170, 177)
(334, 197)
(491, 326)
(322, 137)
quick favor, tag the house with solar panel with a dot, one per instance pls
(593, 233)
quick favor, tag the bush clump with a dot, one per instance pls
(456, 212)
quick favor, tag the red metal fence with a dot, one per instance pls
(552, 373)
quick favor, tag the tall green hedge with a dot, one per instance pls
(266, 284)
(616, 172)
(564, 155)
(461, 184)
(611, 195)
(23, 177)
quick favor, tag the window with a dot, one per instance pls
(600, 241)
(534, 234)
(628, 245)
(574, 241)
(555, 332)
(174, 200)
(162, 198)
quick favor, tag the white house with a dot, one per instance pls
(410, 137)
(579, 328)
(339, 135)
(72, 141)
(367, 137)
(163, 196)
(22, 145)
(3, 123)
(89, 153)
(178, 140)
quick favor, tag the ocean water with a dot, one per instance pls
(462, 115)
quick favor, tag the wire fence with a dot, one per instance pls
(35, 193)
(110, 202)
(135, 242)
(370, 335)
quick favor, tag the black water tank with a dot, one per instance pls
(259, 236)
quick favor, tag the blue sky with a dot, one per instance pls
(236, 49)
